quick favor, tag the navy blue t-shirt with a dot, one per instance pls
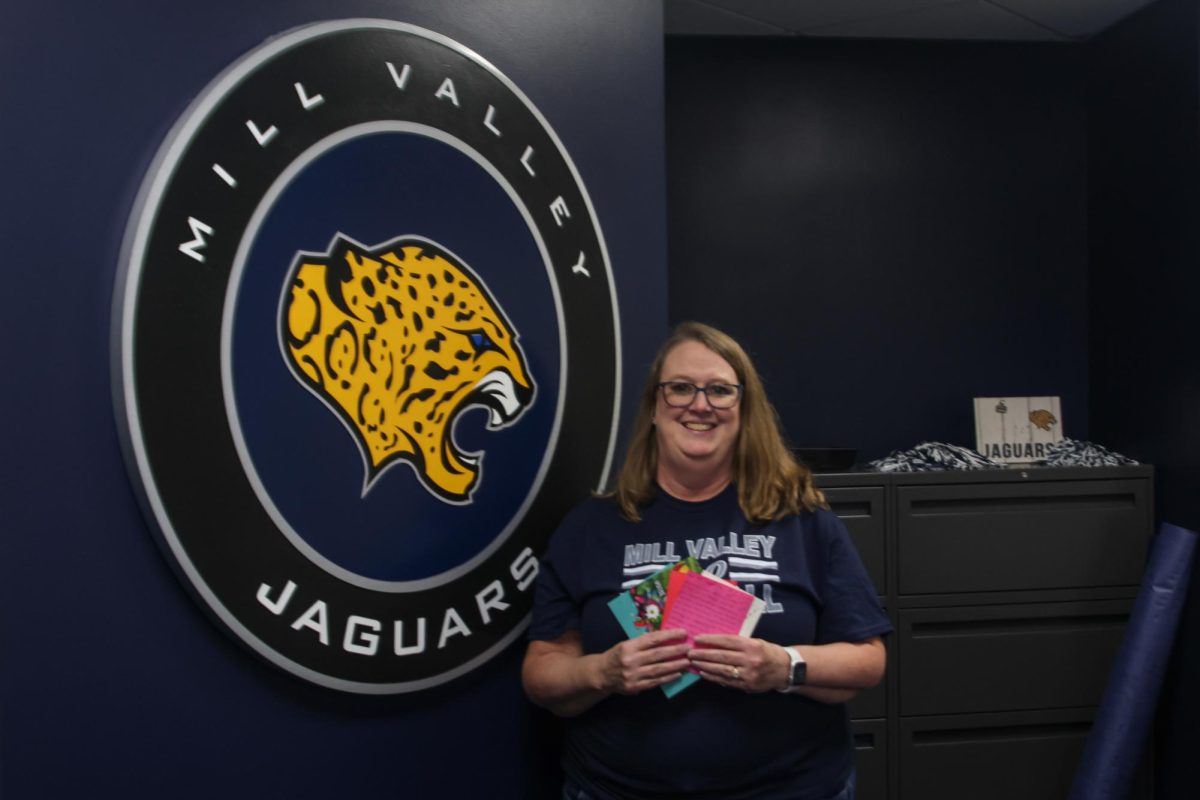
(708, 741)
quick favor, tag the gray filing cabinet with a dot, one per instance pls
(1009, 591)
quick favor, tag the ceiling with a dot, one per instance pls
(995, 20)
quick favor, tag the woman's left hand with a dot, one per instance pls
(752, 665)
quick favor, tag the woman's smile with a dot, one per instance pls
(695, 441)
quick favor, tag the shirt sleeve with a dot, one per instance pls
(850, 610)
(555, 607)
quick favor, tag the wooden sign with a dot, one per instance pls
(1016, 430)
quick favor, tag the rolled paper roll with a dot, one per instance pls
(1118, 736)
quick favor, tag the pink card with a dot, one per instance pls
(704, 604)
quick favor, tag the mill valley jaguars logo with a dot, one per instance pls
(367, 353)
(400, 341)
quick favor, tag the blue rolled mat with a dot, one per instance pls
(1118, 735)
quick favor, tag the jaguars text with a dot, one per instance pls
(363, 635)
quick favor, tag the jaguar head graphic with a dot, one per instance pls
(1042, 418)
(399, 340)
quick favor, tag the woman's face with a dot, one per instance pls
(698, 437)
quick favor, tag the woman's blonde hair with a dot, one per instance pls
(771, 483)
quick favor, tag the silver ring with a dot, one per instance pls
(737, 676)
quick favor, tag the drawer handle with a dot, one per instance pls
(1013, 505)
(990, 627)
(1002, 733)
(864, 741)
(849, 509)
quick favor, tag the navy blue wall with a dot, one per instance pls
(114, 682)
(1144, 113)
(892, 228)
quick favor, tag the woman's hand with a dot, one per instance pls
(836, 671)
(644, 662)
(752, 665)
(559, 677)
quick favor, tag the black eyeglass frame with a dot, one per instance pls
(737, 395)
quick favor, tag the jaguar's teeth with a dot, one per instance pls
(498, 385)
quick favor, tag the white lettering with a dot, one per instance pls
(276, 607)
(199, 231)
(365, 644)
(752, 548)
(768, 543)
(452, 625)
(309, 103)
(225, 176)
(412, 649)
(491, 597)
(578, 268)
(559, 210)
(524, 568)
(772, 606)
(260, 136)
(660, 553)
(401, 79)
(447, 91)
(487, 121)
(317, 619)
(525, 159)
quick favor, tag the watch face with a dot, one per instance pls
(799, 673)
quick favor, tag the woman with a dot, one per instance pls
(707, 474)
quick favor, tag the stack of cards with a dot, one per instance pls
(685, 596)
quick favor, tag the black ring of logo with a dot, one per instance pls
(197, 200)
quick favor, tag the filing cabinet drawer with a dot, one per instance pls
(1025, 755)
(870, 703)
(1021, 536)
(991, 658)
(870, 758)
(861, 509)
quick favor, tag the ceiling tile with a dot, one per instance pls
(1077, 19)
(797, 15)
(972, 19)
(696, 18)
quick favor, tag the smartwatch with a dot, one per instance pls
(797, 671)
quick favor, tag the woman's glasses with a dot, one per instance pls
(680, 394)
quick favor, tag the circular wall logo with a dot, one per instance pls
(367, 352)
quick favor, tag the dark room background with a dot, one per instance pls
(891, 228)
(895, 227)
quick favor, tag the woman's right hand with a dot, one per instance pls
(558, 676)
(644, 662)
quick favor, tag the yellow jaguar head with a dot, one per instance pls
(399, 341)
